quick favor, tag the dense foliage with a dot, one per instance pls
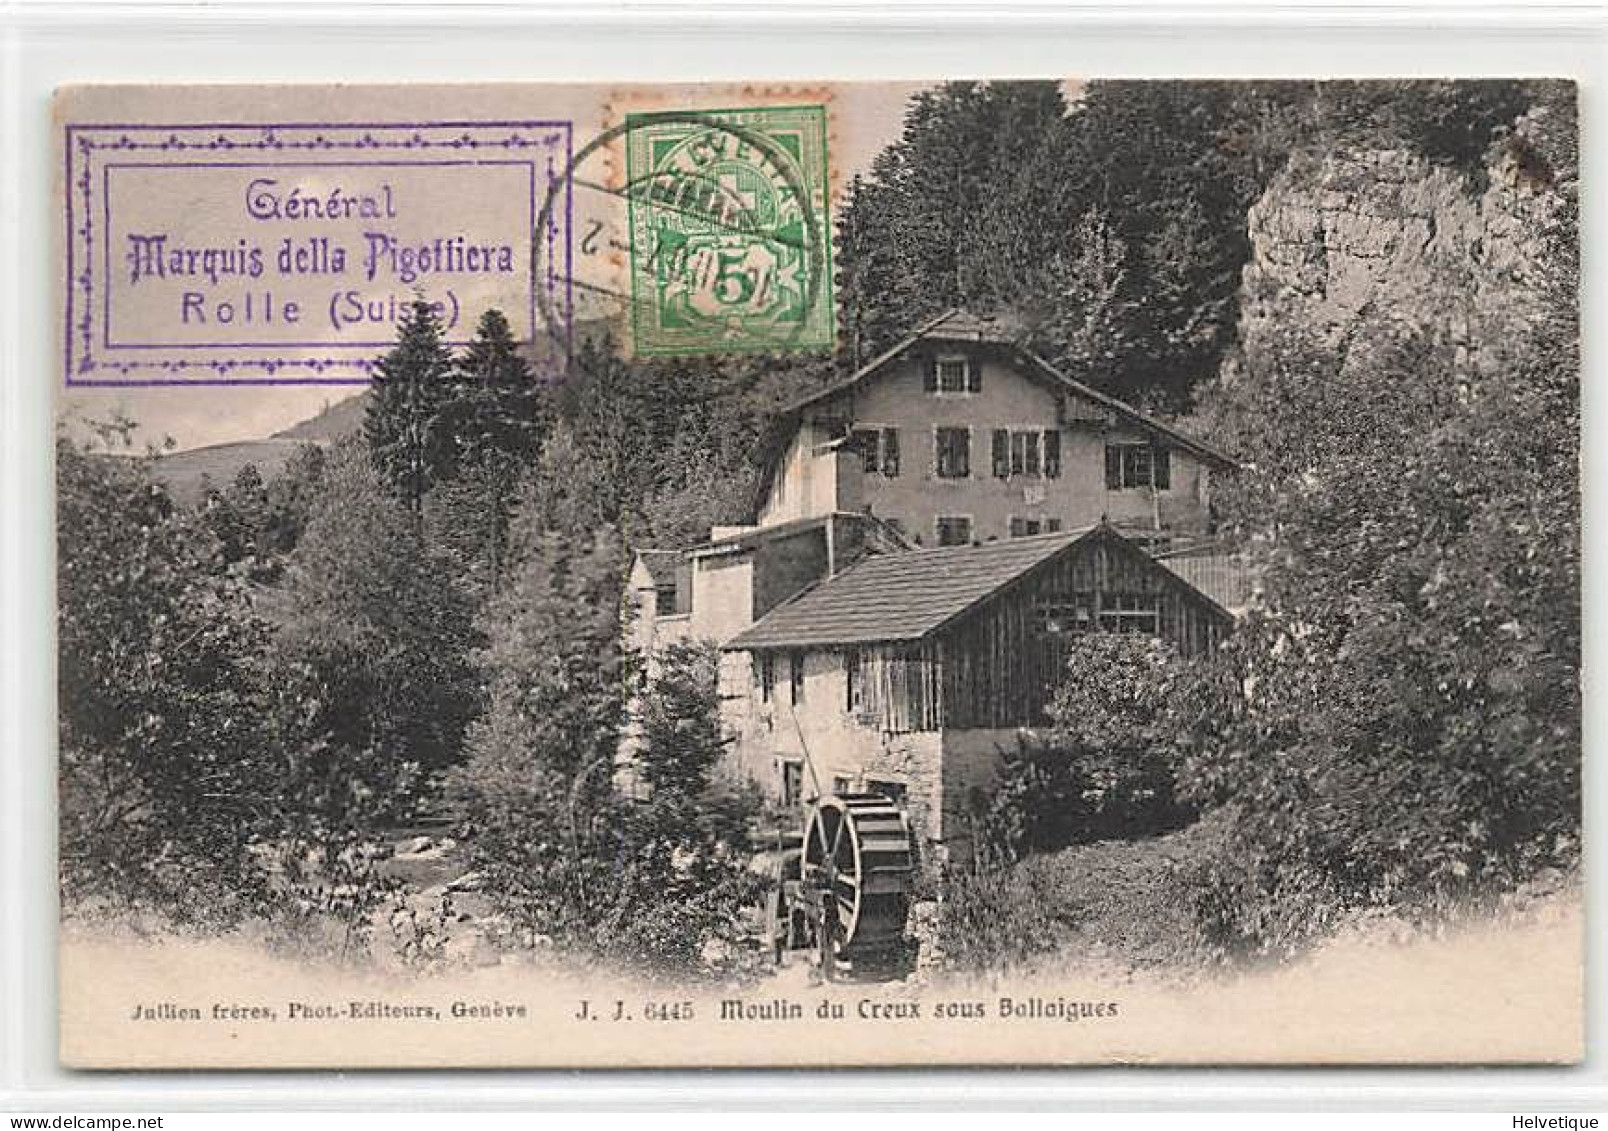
(1399, 721)
(161, 770)
(211, 771)
(426, 619)
(1405, 722)
(1107, 766)
(1112, 225)
(647, 876)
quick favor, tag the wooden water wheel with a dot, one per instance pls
(856, 875)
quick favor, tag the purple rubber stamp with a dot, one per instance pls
(224, 254)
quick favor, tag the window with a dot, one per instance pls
(1130, 612)
(1066, 615)
(954, 530)
(878, 448)
(853, 688)
(792, 781)
(894, 791)
(1026, 527)
(952, 374)
(952, 447)
(767, 676)
(664, 599)
(795, 676)
(1028, 452)
(1052, 526)
(1137, 465)
(842, 785)
(1024, 453)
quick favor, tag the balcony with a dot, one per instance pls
(1222, 576)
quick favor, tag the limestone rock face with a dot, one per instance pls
(1351, 244)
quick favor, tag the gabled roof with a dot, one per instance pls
(889, 598)
(904, 597)
(963, 326)
(998, 333)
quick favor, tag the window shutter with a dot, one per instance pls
(929, 374)
(1052, 454)
(890, 452)
(974, 376)
(963, 451)
(1002, 454)
(1161, 462)
(1113, 468)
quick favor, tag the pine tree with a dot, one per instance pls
(495, 424)
(498, 408)
(410, 447)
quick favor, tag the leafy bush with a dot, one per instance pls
(1107, 767)
(652, 880)
(996, 917)
(162, 755)
(1398, 723)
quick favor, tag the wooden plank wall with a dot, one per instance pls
(1000, 670)
(901, 688)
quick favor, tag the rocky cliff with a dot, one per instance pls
(1348, 244)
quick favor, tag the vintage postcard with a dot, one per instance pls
(837, 574)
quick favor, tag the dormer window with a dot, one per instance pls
(953, 375)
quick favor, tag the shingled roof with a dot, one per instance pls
(890, 598)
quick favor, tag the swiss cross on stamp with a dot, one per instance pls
(730, 232)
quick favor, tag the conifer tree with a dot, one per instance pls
(498, 407)
(496, 424)
(407, 442)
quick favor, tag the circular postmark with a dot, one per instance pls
(719, 226)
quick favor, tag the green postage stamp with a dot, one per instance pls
(730, 230)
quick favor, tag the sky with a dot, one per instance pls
(863, 119)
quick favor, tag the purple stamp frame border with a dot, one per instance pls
(264, 136)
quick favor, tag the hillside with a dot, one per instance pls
(335, 420)
(185, 474)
